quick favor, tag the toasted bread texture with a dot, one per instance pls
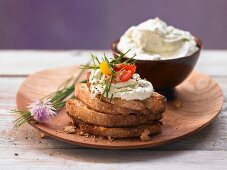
(83, 94)
(126, 132)
(118, 118)
(78, 109)
(155, 104)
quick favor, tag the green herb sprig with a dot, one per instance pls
(114, 61)
(57, 99)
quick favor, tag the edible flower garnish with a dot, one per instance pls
(40, 110)
(104, 67)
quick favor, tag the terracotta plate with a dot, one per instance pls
(200, 95)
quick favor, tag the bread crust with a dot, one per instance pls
(83, 94)
(80, 110)
(118, 118)
(126, 132)
(155, 104)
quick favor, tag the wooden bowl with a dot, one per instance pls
(164, 74)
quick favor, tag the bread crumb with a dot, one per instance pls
(59, 131)
(41, 135)
(100, 138)
(81, 133)
(145, 135)
(110, 138)
(178, 103)
(70, 129)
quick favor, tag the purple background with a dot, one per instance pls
(83, 24)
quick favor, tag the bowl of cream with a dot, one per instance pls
(164, 55)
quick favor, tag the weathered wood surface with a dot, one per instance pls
(206, 149)
(24, 62)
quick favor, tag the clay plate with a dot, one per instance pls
(200, 95)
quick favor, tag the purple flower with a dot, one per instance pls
(41, 110)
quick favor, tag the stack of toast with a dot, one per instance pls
(116, 118)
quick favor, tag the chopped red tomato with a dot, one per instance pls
(118, 67)
(123, 75)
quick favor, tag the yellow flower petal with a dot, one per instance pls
(105, 68)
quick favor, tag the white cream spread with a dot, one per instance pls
(133, 89)
(155, 40)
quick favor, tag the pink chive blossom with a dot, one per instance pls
(42, 110)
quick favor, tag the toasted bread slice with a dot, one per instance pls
(126, 132)
(155, 104)
(129, 104)
(83, 94)
(79, 110)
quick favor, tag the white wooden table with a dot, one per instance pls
(24, 149)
